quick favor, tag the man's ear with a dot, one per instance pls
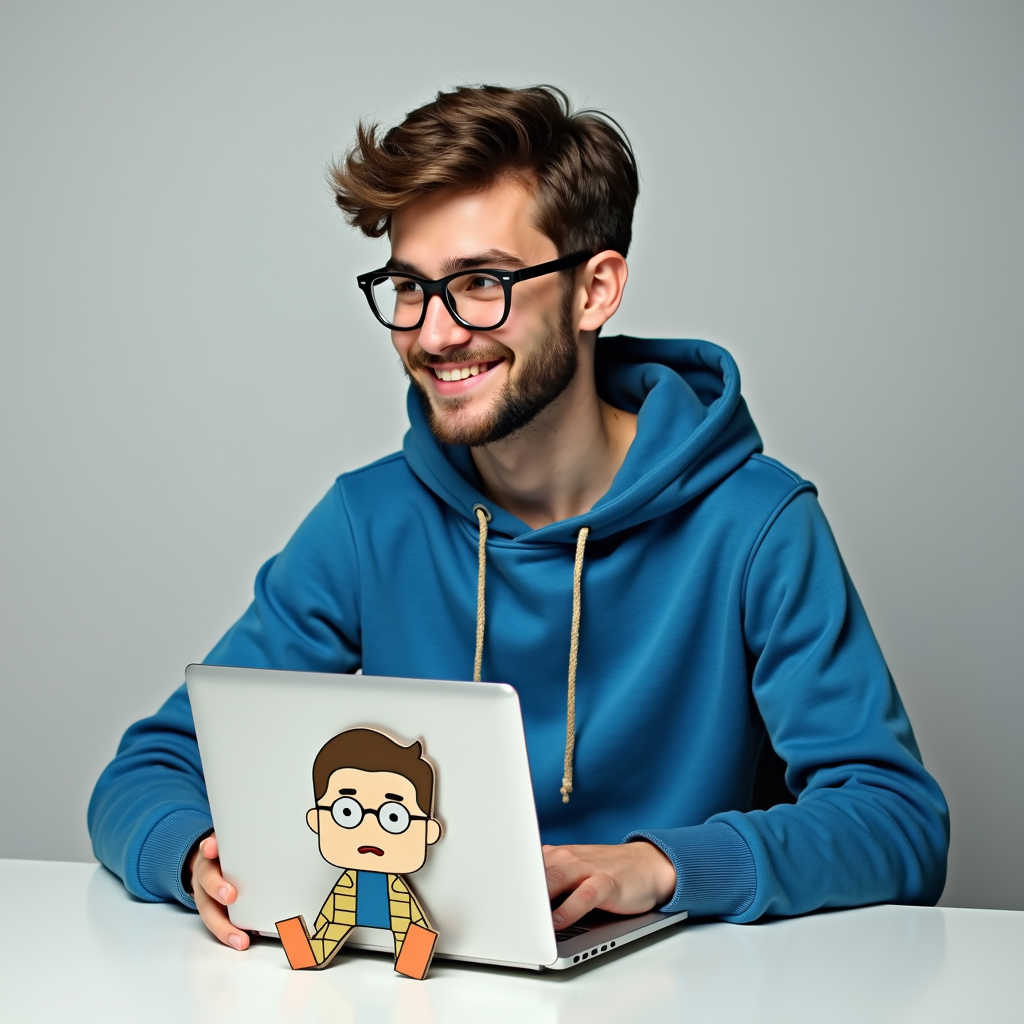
(433, 831)
(313, 819)
(604, 281)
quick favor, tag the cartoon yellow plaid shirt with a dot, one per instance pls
(337, 916)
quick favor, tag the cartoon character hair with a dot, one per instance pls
(372, 751)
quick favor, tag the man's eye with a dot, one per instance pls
(407, 287)
(482, 283)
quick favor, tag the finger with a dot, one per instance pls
(207, 876)
(594, 891)
(561, 854)
(215, 917)
(563, 877)
(209, 847)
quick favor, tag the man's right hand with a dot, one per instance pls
(213, 895)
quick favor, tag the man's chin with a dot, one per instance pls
(458, 426)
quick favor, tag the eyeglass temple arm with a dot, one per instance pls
(574, 259)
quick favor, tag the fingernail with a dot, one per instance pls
(222, 894)
(236, 941)
(557, 918)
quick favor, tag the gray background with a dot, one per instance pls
(831, 191)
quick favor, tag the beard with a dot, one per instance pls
(543, 375)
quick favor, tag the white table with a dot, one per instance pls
(75, 947)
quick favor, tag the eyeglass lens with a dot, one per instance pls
(348, 813)
(479, 299)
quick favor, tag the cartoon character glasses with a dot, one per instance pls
(479, 300)
(392, 817)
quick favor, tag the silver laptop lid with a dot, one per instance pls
(259, 732)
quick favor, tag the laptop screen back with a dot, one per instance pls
(259, 732)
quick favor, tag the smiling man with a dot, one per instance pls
(593, 521)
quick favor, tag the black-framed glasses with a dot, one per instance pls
(392, 817)
(479, 300)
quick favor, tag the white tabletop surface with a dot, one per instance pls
(75, 947)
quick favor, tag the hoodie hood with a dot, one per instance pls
(693, 430)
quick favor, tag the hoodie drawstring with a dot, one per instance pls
(483, 517)
(574, 653)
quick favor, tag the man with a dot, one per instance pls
(593, 522)
(374, 818)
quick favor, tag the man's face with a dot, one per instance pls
(372, 845)
(514, 371)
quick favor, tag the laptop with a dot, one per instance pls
(259, 733)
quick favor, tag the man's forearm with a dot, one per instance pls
(149, 807)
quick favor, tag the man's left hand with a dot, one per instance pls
(625, 879)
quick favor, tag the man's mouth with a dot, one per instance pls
(463, 371)
(375, 850)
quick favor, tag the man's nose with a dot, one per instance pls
(439, 330)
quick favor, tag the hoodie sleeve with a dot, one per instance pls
(149, 806)
(869, 825)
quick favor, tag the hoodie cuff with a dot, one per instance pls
(165, 850)
(715, 874)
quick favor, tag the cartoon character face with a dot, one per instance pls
(372, 821)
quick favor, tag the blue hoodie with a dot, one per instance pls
(716, 609)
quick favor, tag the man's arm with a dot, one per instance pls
(149, 806)
(869, 825)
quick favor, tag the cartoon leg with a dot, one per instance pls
(302, 951)
(414, 951)
(295, 940)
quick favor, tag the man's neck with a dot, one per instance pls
(565, 460)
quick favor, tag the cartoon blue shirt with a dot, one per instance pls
(372, 910)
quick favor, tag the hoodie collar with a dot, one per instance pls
(693, 429)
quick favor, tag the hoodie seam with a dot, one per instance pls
(767, 460)
(803, 487)
(355, 549)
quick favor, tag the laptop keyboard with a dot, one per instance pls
(571, 932)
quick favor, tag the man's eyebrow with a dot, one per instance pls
(394, 796)
(496, 258)
(346, 792)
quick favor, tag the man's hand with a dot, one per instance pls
(625, 879)
(212, 894)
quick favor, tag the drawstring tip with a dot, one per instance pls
(565, 790)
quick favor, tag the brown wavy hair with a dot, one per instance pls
(580, 163)
(373, 751)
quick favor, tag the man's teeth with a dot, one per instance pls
(458, 374)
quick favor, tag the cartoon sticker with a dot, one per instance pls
(374, 818)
